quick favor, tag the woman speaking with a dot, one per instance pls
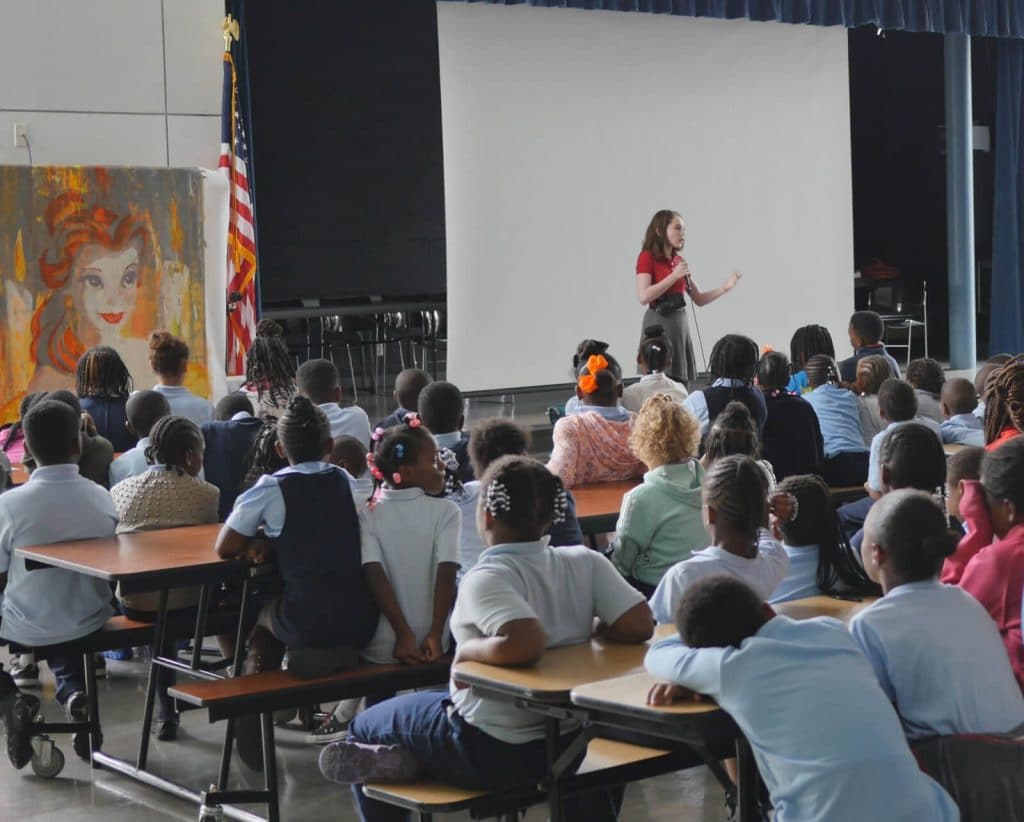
(662, 281)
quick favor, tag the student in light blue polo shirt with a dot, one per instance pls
(846, 456)
(168, 356)
(960, 426)
(319, 380)
(47, 606)
(827, 741)
(935, 650)
(144, 409)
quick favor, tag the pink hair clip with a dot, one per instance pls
(413, 420)
(377, 434)
(371, 458)
(396, 478)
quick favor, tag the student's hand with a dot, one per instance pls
(665, 693)
(430, 650)
(731, 281)
(258, 551)
(406, 651)
(88, 424)
(783, 507)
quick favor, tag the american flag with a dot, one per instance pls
(241, 251)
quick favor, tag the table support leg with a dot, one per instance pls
(154, 666)
(551, 738)
(746, 773)
(200, 633)
(92, 698)
(270, 766)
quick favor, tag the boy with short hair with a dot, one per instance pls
(927, 377)
(828, 743)
(350, 456)
(57, 504)
(959, 425)
(441, 405)
(408, 385)
(144, 409)
(228, 440)
(866, 330)
(320, 382)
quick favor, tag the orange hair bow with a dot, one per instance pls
(588, 382)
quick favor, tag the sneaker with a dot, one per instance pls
(330, 730)
(20, 727)
(77, 707)
(25, 675)
(117, 655)
(101, 666)
(166, 730)
(353, 763)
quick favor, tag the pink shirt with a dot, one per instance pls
(589, 448)
(16, 452)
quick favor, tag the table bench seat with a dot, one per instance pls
(274, 690)
(608, 762)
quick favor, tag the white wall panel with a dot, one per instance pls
(192, 31)
(85, 139)
(194, 140)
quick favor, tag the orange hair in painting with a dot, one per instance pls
(73, 226)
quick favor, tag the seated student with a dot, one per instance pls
(807, 341)
(441, 407)
(97, 453)
(871, 373)
(587, 348)
(103, 385)
(12, 438)
(733, 433)
(735, 508)
(167, 495)
(1004, 410)
(319, 380)
(52, 605)
(592, 443)
(653, 359)
(989, 561)
(350, 456)
(408, 384)
(821, 560)
(962, 466)
(269, 372)
(144, 409)
(168, 357)
(660, 521)
(264, 458)
(733, 365)
(792, 442)
(846, 455)
(927, 377)
(959, 425)
(897, 403)
(865, 331)
(325, 613)
(520, 599)
(228, 440)
(827, 742)
(410, 547)
(936, 652)
(982, 377)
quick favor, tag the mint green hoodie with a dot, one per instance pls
(660, 522)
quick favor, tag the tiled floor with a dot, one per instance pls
(80, 793)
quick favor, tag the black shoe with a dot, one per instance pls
(166, 730)
(20, 726)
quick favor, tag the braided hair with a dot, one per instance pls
(268, 366)
(263, 457)
(1004, 399)
(171, 439)
(102, 373)
(523, 495)
(871, 373)
(398, 446)
(807, 341)
(655, 352)
(733, 432)
(734, 357)
(737, 488)
(304, 431)
(817, 524)
(23, 408)
(821, 370)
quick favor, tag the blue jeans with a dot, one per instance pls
(69, 671)
(451, 750)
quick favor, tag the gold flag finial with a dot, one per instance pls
(230, 29)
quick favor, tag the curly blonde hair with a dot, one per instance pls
(664, 432)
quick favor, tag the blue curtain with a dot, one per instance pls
(1007, 329)
(985, 18)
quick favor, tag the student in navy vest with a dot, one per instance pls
(792, 440)
(229, 440)
(103, 385)
(663, 279)
(733, 365)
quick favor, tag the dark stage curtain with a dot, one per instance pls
(986, 18)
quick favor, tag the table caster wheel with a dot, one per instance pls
(80, 742)
(47, 758)
(211, 814)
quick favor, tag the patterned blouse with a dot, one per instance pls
(590, 448)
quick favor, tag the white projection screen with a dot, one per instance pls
(565, 130)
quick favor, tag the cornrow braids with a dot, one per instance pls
(263, 457)
(734, 357)
(871, 373)
(523, 495)
(303, 430)
(102, 373)
(1004, 399)
(821, 370)
(170, 440)
(268, 365)
(818, 524)
(737, 489)
(807, 341)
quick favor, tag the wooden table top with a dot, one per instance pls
(601, 498)
(628, 694)
(558, 672)
(952, 447)
(841, 609)
(132, 556)
(19, 473)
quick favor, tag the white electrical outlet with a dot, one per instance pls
(21, 135)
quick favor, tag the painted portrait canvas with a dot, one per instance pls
(97, 256)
